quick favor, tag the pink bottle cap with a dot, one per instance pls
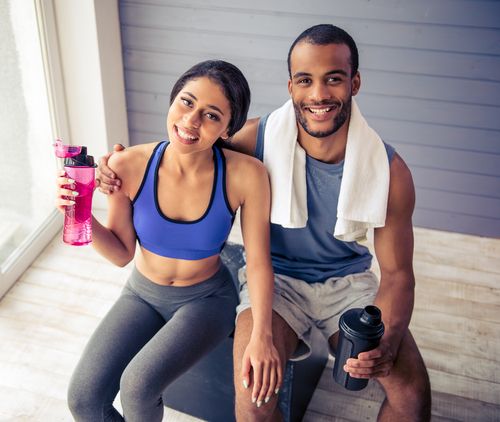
(65, 151)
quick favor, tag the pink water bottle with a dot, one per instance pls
(80, 167)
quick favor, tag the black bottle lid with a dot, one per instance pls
(364, 323)
(80, 160)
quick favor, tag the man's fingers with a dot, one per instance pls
(118, 147)
(368, 369)
(104, 172)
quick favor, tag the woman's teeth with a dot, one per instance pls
(185, 135)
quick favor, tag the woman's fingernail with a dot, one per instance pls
(266, 400)
(71, 181)
(254, 399)
(74, 193)
(72, 202)
(245, 383)
(259, 403)
(276, 391)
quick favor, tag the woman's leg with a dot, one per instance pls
(123, 332)
(195, 329)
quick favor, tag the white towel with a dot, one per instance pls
(365, 182)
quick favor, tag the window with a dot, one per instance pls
(27, 118)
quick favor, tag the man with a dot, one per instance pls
(317, 276)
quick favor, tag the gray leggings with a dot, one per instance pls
(151, 335)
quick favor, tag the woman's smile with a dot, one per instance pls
(185, 136)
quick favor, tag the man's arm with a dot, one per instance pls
(243, 141)
(394, 251)
(395, 297)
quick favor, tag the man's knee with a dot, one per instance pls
(248, 411)
(285, 341)
(408, 387)
(410, 398)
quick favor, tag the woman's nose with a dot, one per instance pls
(192, 119)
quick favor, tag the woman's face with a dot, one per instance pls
(198, 116)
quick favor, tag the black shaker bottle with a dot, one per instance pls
(360, 331)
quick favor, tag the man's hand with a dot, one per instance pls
(372, 364)
(106, 180)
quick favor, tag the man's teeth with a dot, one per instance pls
(185, 135)
(320, 110)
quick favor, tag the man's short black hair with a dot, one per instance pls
(325, 34)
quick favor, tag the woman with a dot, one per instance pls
(178, 200)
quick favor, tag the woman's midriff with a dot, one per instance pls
(175, 272)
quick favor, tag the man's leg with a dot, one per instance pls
(407, 388)
(285, 341)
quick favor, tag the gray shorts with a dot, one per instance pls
(303, 304)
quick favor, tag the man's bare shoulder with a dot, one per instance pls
(245, 139)
(401, 188)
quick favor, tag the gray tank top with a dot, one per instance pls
(312, 253)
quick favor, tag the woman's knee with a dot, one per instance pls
(133, 387)
(83, 400)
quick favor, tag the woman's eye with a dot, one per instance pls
(186, 102)
(212, 116)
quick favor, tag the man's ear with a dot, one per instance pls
(290, 87)
(356, 83)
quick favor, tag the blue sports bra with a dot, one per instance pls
(171, 238)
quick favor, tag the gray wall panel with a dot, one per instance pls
(430, 81)
(447, 12)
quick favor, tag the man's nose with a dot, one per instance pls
(319, 92)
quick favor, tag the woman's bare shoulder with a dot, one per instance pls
(242, 163)
(131, 158)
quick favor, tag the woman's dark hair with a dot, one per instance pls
(325, 34)
(233, 84)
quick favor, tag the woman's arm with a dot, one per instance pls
(116, 241)
(260, 356)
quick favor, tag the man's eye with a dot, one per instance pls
(304, 81)
(333, 80)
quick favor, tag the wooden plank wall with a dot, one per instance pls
(430, 81)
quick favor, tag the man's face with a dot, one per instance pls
(321, 87)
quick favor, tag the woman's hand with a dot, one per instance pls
(262, 360)
(65, 193)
